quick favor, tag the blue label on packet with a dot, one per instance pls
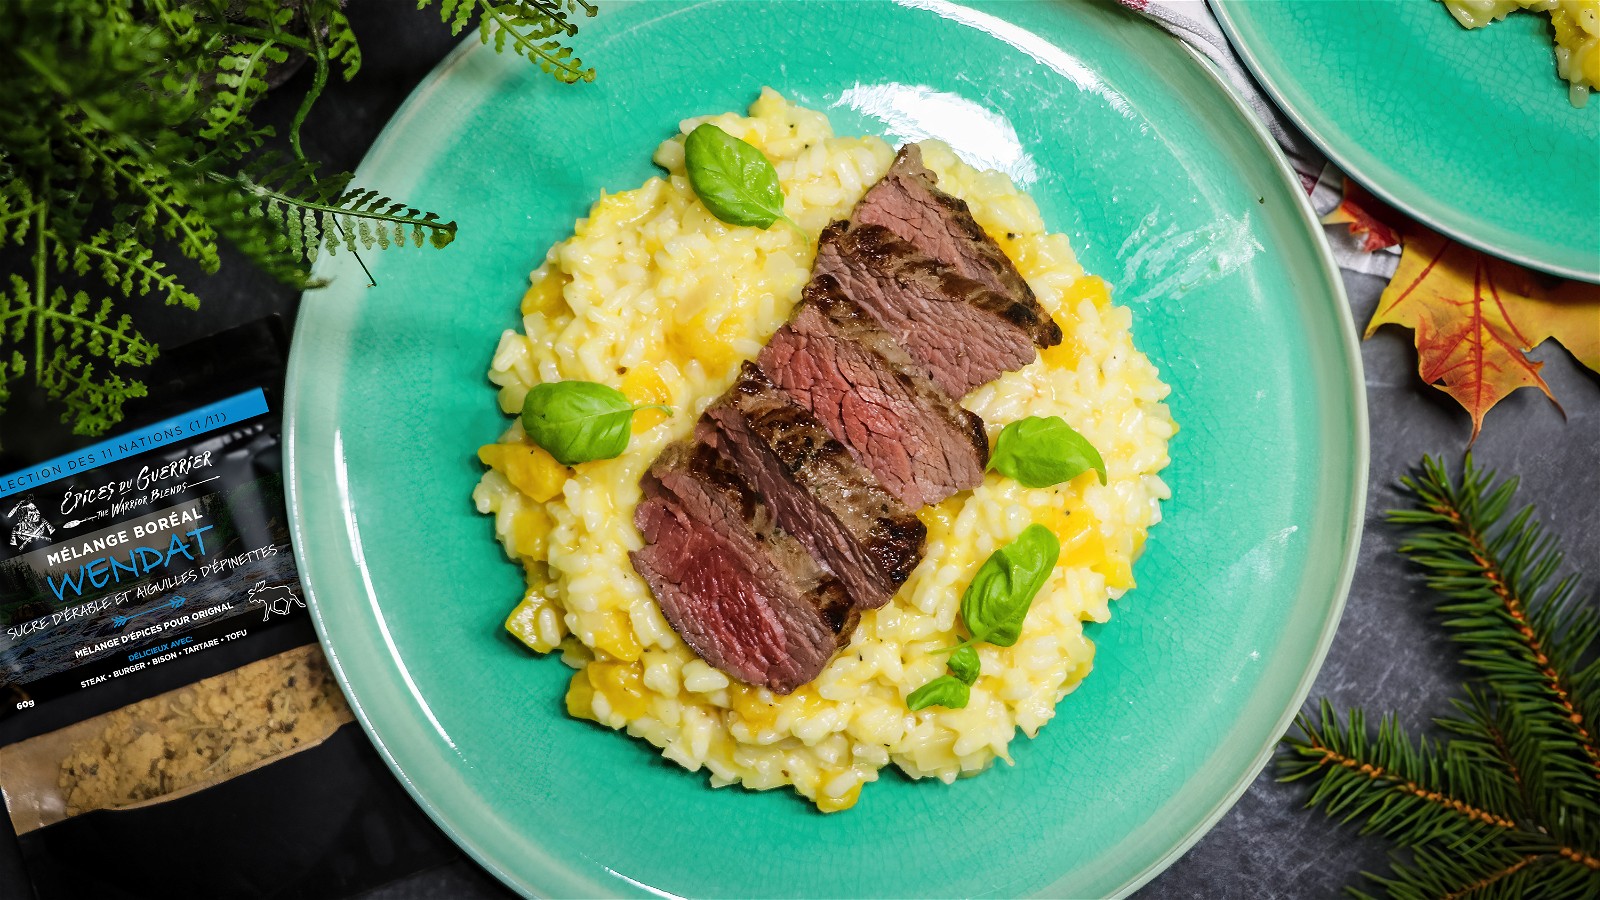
(166, 540)
(178, 428)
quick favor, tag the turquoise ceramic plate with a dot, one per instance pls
(1468, 131)
(1166, 188)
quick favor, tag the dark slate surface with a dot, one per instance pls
(1388, 654)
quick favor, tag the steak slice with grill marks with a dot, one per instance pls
(909, 203)
(741, 593)
(962, 332)
(817, 491)
(834, 360)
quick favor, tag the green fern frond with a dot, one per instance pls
(81, 348)
(91, 399)
(227, 200)
(81, 326)
(18, 205)
(317, 51)
(177, 19)
(455, 13)
(11, 369)
(533, 29)
(127, 265)
(155, 202)
(272, 16)
(243, 144)
(314, 215)
(342, 44)
(16, 307)
(240, 81)
(125, 125)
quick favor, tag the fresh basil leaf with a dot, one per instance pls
(997, 600)
(733, 179)
(1040, 452)
(965, 665)
(579, 421)
(946, 690)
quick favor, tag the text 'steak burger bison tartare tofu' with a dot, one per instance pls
(777, 581)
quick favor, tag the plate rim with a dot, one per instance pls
(297, 527)
(1361, 460)
(1224, 10)
(1347, 344)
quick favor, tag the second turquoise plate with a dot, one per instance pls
(1167, 189)
(1471, 132)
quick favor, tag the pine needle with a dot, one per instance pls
(1508, 804)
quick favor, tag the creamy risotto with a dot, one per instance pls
(654, 296)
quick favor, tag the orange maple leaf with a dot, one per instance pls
(1476, 317)
(1366, 215)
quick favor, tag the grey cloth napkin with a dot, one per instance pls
(1191, 21)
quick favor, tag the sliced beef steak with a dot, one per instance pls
(962, 332)
(909, 203)
(740, 592)
(817, 491)
(795, 507)
(835, 361)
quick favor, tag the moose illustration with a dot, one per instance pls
(278, 599)
(31, 527)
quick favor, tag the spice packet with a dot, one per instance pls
(174, 744)
(126, 563)
(157, 662)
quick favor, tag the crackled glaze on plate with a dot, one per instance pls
(1469, 131)
(1167, 189)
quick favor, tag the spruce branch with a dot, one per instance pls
(1506, 804)
(1499, 875)
(1516, 630)
(1489, 737)
(1411, 793)
(1495, 879)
